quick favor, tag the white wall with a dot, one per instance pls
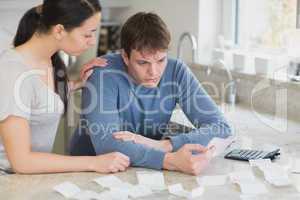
(200, 17)
(210, 26)
(179, 15)
(11, 12)
(228, 19)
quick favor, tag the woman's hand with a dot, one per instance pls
(110, 163)
(86, 71)
(163, 145)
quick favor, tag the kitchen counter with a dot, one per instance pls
(254, 127)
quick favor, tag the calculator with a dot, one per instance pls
(247, 154)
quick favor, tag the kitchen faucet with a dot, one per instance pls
(193, 41)
(231, 86)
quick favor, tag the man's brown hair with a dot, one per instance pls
(145, 31)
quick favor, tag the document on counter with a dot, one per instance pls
(246, 142)
(134, 191)
(273, 173)
(88, 195)
(242, 176)
(179, 191)
(139, 191)
(248, 184)
(153, 180)
(262, 164)
(67, 189)
(110, 181)
(217, 180)
(220, 144)
(296, 166)
(252, 188)
(117, 186)
(115, 194)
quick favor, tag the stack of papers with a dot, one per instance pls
(118, 190)
(178, 190)
(153, 180)
(273, 173)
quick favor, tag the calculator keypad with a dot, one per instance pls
(247, 154)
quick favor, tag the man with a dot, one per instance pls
(128, 104)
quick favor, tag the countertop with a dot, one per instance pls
(258, 129)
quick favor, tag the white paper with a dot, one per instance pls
(178, 190)
(248, 197)
(87, 195)
(241, 166)
(253, 188)
(242, 176)
(220, 144)
(110, 181)
(121, 190)
(153, 180)
(269, 147)
(197, 192)
(67, 189)
(217, 180)
(114, 194)
(296, 166)
(133, 191)
(298, 188)
(139, 191)
(273, 173)
(246, 142)
(286, 162)
(262, 164)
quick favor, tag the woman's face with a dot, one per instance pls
(81, 38)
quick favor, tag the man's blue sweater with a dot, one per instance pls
(112, 101)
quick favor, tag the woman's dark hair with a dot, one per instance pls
(40, 19)
(144, 31)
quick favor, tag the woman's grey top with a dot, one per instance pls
(25, 95)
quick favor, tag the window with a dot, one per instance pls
(260, 37)
(266, 24)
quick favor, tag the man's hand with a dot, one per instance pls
(185, 161)
(163, 145)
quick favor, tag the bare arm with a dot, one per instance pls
(15, 133)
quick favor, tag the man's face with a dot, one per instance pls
(146, 67)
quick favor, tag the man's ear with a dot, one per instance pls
(125, 57)
(59, 32)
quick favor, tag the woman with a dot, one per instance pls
(35, 87)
